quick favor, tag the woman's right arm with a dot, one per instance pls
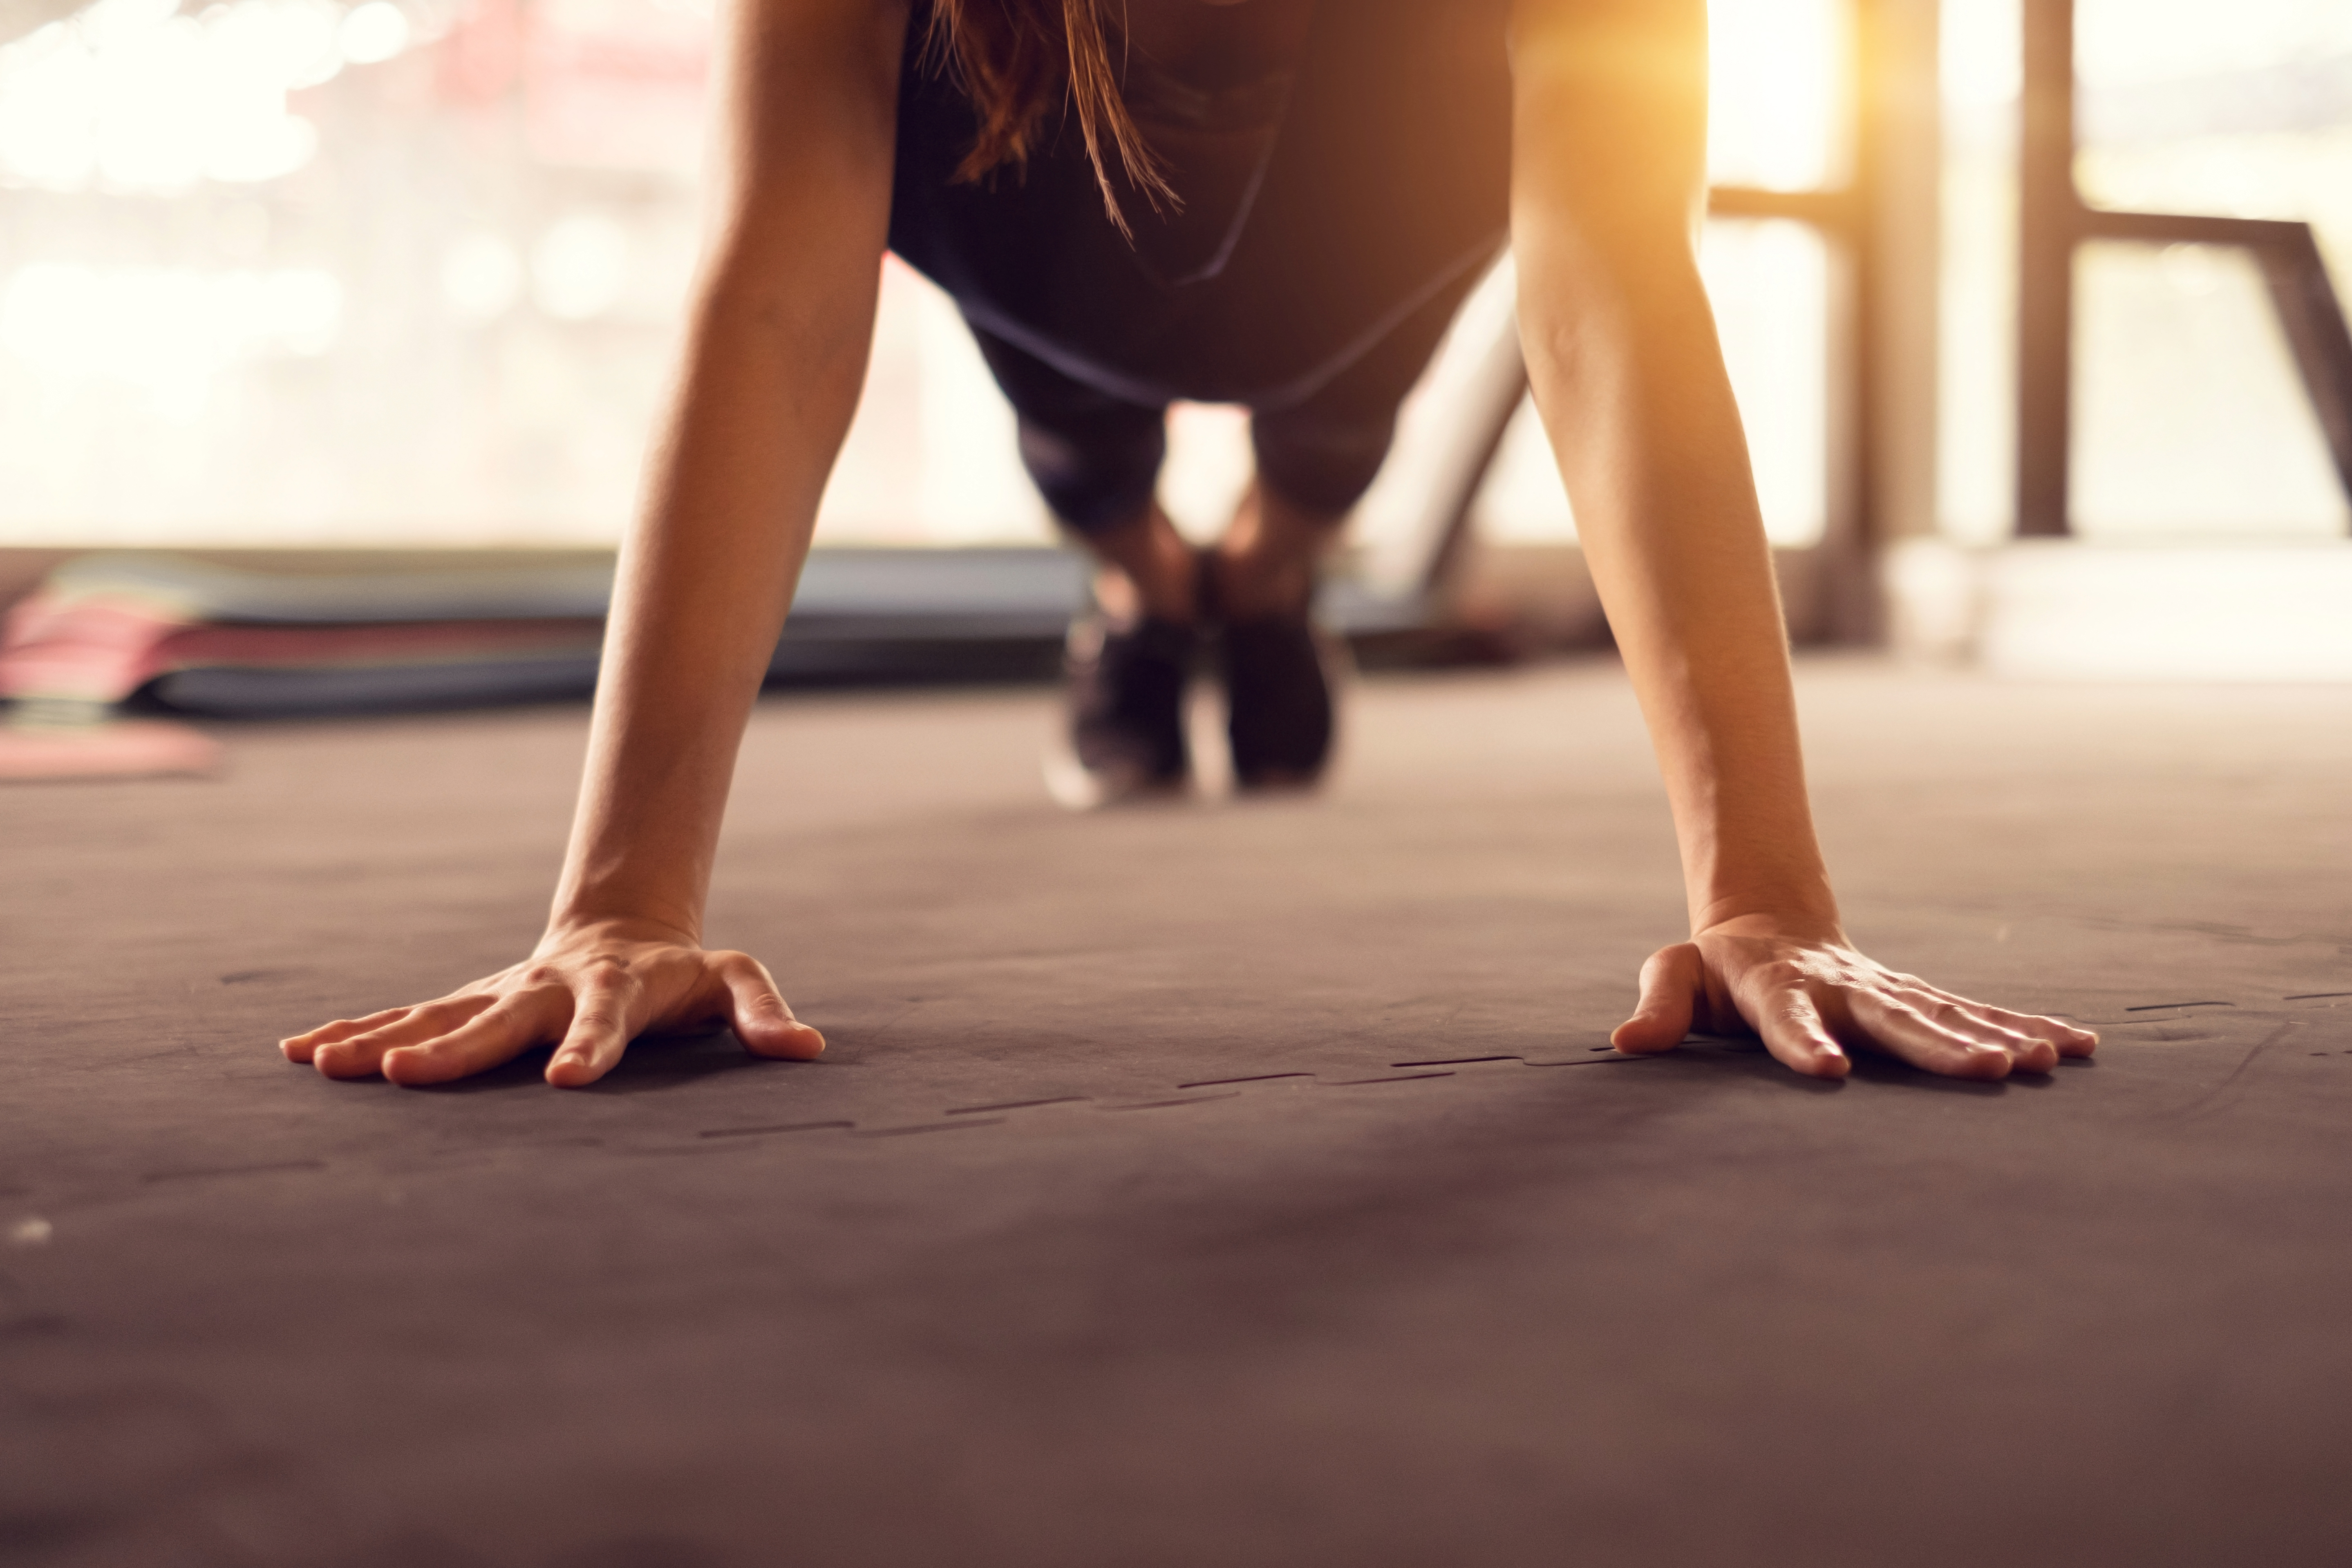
(776, 355)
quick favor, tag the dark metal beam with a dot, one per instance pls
(2050, 216)
(2311, 314)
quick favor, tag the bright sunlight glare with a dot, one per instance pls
(1774, 105)
(167, 330)
(133, 96)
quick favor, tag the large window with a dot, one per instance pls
(409, 271)
(2190, 420)
(300, 272)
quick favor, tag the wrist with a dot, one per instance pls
(628, 899)
(570, 925)
(1809, 913)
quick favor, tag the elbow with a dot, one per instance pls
(1576, 300)
(1609, 242)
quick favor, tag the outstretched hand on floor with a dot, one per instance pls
(1813, 1000)
(587, 992)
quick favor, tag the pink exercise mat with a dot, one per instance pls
(98, 649)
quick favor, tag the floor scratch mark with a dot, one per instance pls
(763, 1132)
(2213, 1095)
(1254, 1078)
(930, 1127)
(234, 1171)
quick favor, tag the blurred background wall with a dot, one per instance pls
(294, 271)
(407, 272)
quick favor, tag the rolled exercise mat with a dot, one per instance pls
(103, 651)
(576, 586)
(213, 639)
(240, 641)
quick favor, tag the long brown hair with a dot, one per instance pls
(1013, 57)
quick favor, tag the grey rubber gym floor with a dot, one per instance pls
(1230, 1184)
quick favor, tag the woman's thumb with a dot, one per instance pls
(757, 1012)
(1670, 989)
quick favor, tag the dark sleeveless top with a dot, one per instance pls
(1325, 198)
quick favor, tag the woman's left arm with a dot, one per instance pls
(1607, 190)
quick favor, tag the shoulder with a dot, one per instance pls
(820, 31)
(786, 61)
(1607, 36)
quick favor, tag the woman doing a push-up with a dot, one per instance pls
(1271, 203)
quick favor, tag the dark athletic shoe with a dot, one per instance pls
(1126, 690)
(1279, 671)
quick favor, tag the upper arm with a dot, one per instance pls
(805, 141)
(1609, 138)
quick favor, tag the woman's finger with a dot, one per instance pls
(1985, 1025)
(600, 1031)
(361, 1054)
(496, 1034)
(2072, 1039)
(2030, 1051)
(1905, 1033)
(2027, 1053)
(2075, 1042)
(300, 1047)
(1794, 1032)
(756, 1011)
(1670, 984)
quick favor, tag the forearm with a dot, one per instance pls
(1607, 183)
(1623, 355)
(705, 575)
(776, 353)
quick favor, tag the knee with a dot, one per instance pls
(1098, 479)
(1321, 470)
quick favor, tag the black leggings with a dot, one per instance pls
(1095, 455)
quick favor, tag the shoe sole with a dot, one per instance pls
(1075, 788)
